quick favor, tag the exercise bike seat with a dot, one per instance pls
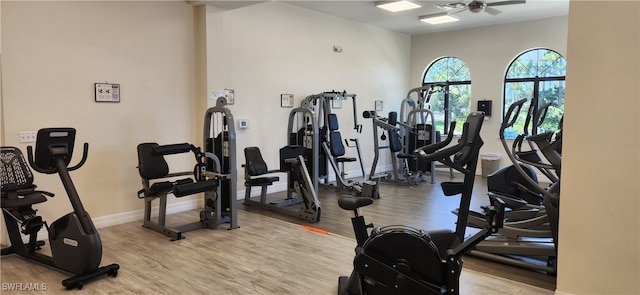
(15, 199)
(17, 186)
(351, 203)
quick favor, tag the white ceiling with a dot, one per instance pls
(407, 21)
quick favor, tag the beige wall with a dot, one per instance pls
(166, 56)
(599, 249)
(274, 48)
(55, 51)
(488, 51)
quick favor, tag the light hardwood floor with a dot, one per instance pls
(422, 206)
(265, 255)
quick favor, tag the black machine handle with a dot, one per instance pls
(541, 114)
(85, 153)
(346, 141)
(171, 149)
(438, 145)
(32, 162)
(511, 116)
(428, 153)
(53, 144)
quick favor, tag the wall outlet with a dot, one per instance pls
(28, 136)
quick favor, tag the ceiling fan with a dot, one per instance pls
(476, 6)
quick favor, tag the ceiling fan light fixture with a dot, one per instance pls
(477, 6)
(439, 18)
(395, 6)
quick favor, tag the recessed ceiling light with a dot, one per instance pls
(395, 6)
(436, 19)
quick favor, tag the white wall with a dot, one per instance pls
(599, 250)
(488, 51)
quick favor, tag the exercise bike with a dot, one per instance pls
(75, 244)
(404, 260)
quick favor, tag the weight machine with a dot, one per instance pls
(536, 236)
(214, 174)
(330, 141)
(417, 126)
(302, 189)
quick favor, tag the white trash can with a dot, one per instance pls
(490, 163)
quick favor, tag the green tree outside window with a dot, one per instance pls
(539, 76)
(454, 102)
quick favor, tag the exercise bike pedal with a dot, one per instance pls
(32, 225)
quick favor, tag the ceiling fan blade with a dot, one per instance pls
(507, 2)
(492, 11)
(458, 11)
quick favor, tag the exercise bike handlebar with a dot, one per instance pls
(85, 154)
(31, 158)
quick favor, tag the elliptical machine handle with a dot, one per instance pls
(511, 116)
(428, 149)
(442, 154)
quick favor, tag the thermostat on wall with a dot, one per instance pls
(243, 123)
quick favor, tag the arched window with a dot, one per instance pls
(454, 102)
(539, 76)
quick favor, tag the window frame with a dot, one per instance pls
(446, 86)
(536, 80)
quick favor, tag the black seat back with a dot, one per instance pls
(15, 173)
(255, 163)
(395, 144)
(151, 166)
(335, 138)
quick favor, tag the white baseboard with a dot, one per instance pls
(176, 207)
(557, 292)
(131, 216)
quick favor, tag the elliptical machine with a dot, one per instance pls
(74, 241)
(529, 231)
(405, 260)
